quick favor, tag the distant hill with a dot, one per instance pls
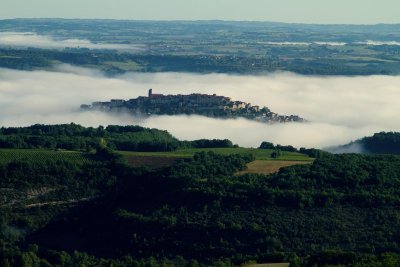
(200, 104)
(379, 143)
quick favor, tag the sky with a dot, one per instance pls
(294, 11)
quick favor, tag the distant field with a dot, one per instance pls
(269, 166)
(126, 66)
(37, 155)
(260, 154)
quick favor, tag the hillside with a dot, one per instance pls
(379, 143)
(338, 210)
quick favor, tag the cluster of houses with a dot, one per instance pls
(199, 104)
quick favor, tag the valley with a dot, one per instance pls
(261, 144)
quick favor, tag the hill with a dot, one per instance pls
(379, 143)
(204, 209)
(199, 104)
(339, 210)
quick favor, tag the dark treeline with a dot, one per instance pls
(312, 152)
(208, 143)
(342, 209)
(379, 143)
(76, 137)
(269, 145)
(382, 143)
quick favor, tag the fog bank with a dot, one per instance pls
(29, 39)
(340, 109)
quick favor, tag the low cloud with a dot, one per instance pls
(28, 39)
(348, 148)
(340, 109)
(306, 43)
(367, 42)
(378, 43)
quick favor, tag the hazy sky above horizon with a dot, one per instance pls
(306, 11)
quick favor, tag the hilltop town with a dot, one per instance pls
(199, 104)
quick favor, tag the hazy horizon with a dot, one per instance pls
(205, 20)
(288, 11)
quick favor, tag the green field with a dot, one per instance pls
(260, 154)
(37, 155)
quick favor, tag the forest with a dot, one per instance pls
(341, 210)
(75, 137)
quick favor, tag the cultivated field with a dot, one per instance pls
(270, 166)
(263, 164)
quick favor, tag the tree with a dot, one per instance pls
(267, 145)
(276, 154)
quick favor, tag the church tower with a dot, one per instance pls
(150, 92)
